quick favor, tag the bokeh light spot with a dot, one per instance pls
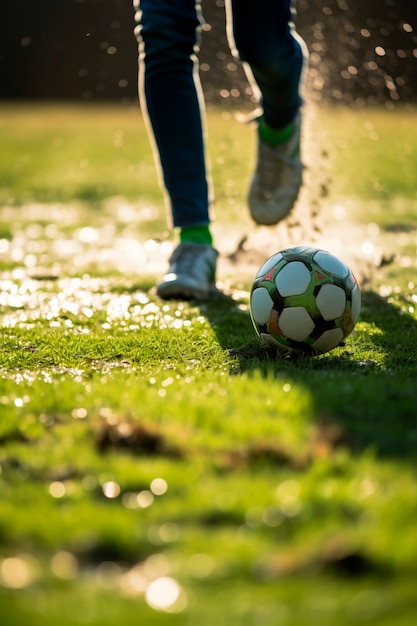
(159, 486)
(166, 594)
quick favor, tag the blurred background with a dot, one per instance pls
(361, 52)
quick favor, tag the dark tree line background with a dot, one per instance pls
(361, 51)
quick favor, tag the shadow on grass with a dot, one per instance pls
(368, 388)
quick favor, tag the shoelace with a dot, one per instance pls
(185, 259)
(270, 171)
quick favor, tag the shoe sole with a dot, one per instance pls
(183, 292)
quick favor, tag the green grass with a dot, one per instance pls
(142, 440)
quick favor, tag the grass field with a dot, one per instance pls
(157, 464)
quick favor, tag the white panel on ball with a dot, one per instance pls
(328, 340)
(296, 323)
(331, 301)
(331, 263)
(269, 264)
(261, 305)
(356, 303)
(293, 279)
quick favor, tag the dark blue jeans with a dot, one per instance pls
(260, 34)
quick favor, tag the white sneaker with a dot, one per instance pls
(191, 276)
(277, 179)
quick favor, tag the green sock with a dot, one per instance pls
(273, 136)
(196, 234)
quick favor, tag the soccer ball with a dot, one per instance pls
(304, 300)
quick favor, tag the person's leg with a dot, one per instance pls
(170, 96)
(265, 40)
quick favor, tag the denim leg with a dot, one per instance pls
(170, 93)
(265, 39)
